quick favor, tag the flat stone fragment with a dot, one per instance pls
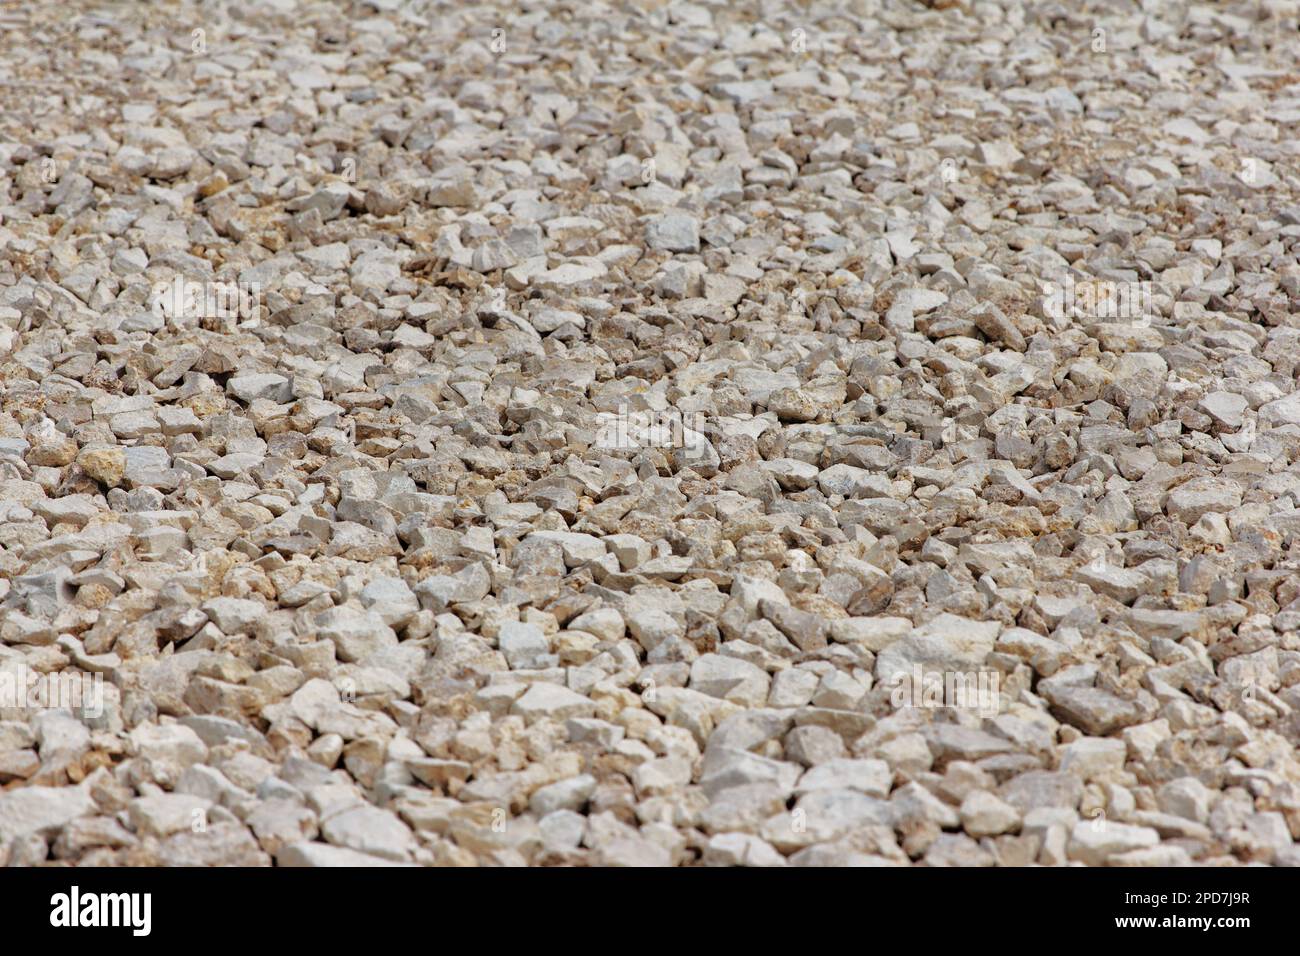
(322, 854)
(1097, 844)
(947, 643)
(552, 701)
(1094, 711)
(267, 385)
(673, 233)
(1200, 496)
(40, 810)
(872, 777)
(371, 831)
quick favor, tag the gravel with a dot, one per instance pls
(625, 435)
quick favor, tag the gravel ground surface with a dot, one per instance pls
(582, 433)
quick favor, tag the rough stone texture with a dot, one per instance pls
(650, 434)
